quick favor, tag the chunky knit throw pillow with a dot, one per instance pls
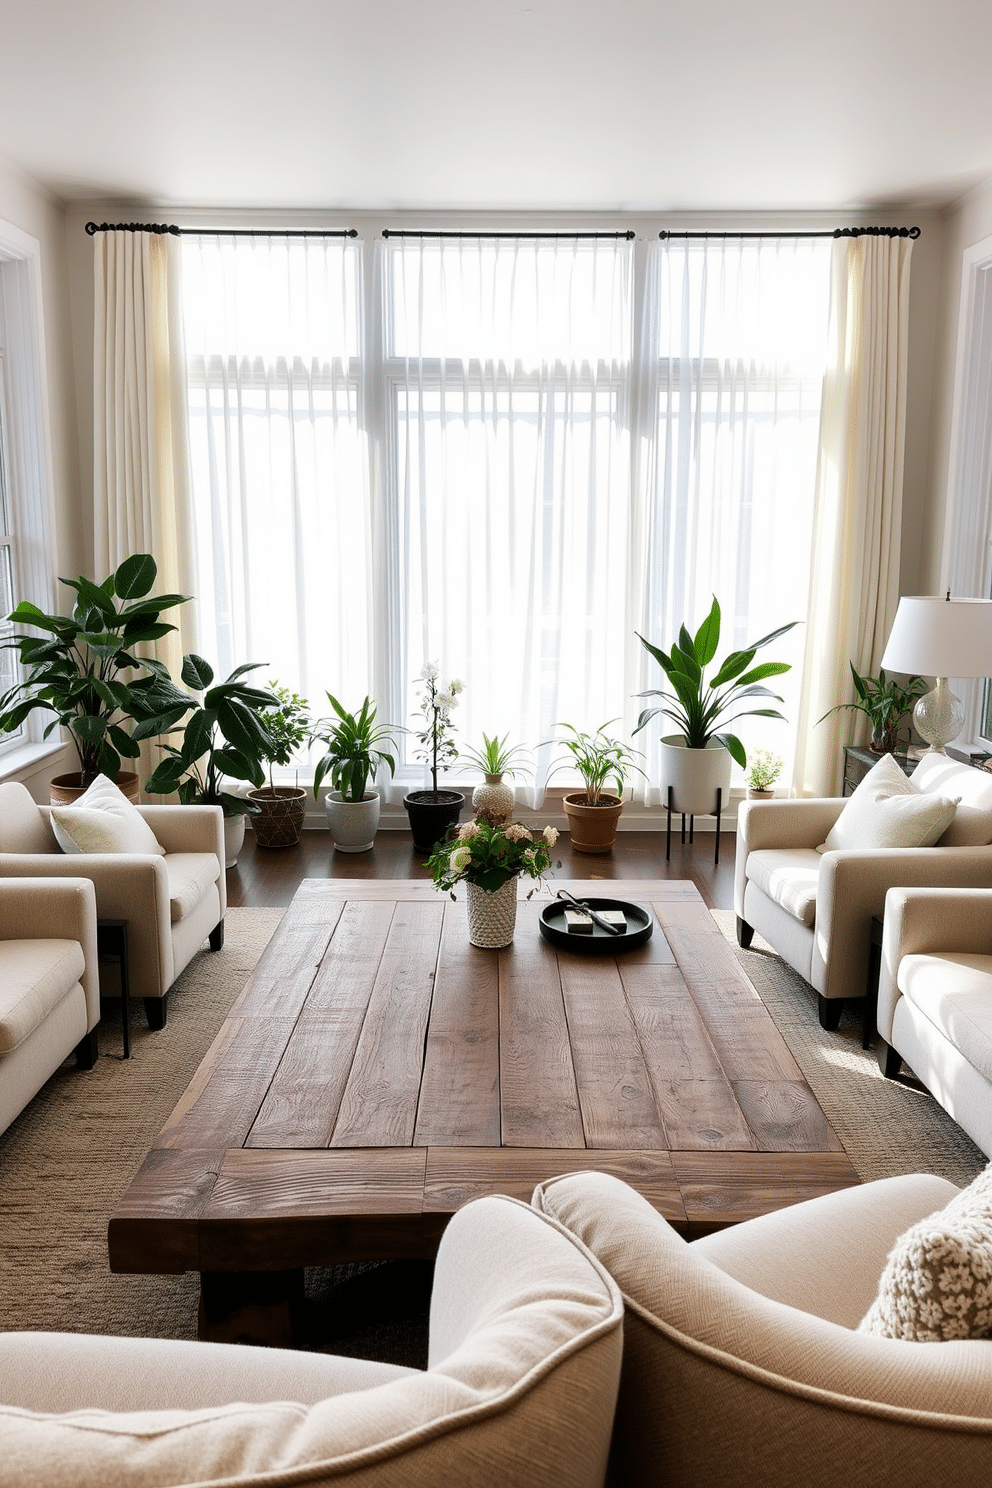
(937, 1282)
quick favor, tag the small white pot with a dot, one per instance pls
(353, 824)
(234, 836)
(493, 800)
(695, 776)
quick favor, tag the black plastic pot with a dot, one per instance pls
(431, 815)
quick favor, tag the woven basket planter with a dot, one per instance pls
(280, 821)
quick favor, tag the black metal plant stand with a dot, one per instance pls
(668, 833)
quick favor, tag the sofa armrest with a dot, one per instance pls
(927, 921)
(56, 909)
(780, 824)
(852, 889)
(192, 829)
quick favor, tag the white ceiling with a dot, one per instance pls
(461, 104)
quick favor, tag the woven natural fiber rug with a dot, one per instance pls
(68, 1158)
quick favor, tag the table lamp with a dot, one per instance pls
(941, 638)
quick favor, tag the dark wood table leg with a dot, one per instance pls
(264, 1308)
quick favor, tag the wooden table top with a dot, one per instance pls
(377, 1072)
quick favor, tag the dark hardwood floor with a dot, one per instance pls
(269, 876)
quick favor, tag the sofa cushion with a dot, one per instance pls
(24, 827)
(35, 975)
(789, 877)
(888, 810)
(954, 991)
(103, 820)
(972, 824)
(937, 1282)
(190, 876)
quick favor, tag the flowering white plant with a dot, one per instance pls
(437, 745)
(488, 855)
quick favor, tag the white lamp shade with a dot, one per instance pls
(937, 637)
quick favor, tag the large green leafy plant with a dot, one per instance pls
(703, 708)
(225, 737)
(598, 758)
(885, 702)
(84, 668)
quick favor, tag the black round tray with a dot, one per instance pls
(640, 923)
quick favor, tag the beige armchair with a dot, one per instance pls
(172, 903)
(743, 1363)
(523, 1368)
(49, 993)
(815, 908)
(935, 999)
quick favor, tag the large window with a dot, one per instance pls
(503, 455)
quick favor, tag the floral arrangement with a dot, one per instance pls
(437, 744)
(763, 769)
(488, 855)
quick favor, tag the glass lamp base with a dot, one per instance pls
(939, 717)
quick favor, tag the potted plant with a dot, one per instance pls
(593, 813)
(493, 800)
(696, 761)
(885, 703)
(432, 811)
(281, 807)
(84, 670)
(355, 751)
(763, 769)
(488, 857)
(226, 737)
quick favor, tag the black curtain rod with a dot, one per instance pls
(836, 232)
(219, 232)
(392, 232)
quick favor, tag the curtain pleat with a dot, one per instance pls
(854, 583)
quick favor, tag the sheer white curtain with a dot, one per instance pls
(141, 495)
(506, 387)
(854, 587)
(279, 459)
(734, 351)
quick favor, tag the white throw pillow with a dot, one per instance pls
(887, 810)
(103, 820)
(937, 1282)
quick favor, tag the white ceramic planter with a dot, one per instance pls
(695, 776)
(352, 824)
(234, 836)
(493, 800)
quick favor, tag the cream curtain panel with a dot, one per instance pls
(141, 490)
(854, 582)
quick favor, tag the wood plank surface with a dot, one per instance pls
(378, 1071)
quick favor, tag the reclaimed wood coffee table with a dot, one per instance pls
(377, 1072)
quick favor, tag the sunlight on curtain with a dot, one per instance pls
(507, 367)
(279, 459)
(735, 334)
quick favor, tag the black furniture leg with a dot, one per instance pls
(889, 1061)
(668, 830)
(156, 1011)
(745, 933)
(829, 1010)
(87, 1049)
(217, 937)
(719, 807)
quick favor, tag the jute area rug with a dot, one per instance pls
(68, 1158)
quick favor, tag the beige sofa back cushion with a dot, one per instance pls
(525, 1397)
(24, 827)
(941, 775)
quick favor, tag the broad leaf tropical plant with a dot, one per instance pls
(84, 668)
(287, 723)
(356, 748)
(885, 702)
(225, 737)
(703, 708)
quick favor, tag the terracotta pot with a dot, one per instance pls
(759, 795)
(280, 821)
(593, 829)
(64, 789)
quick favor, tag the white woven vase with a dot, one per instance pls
(493, 800)
(491, 917)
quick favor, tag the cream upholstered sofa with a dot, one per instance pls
(935, 999)
(49, 992)
(524, 1365)
(743, 1358)
(815, 906)
(172, 898)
